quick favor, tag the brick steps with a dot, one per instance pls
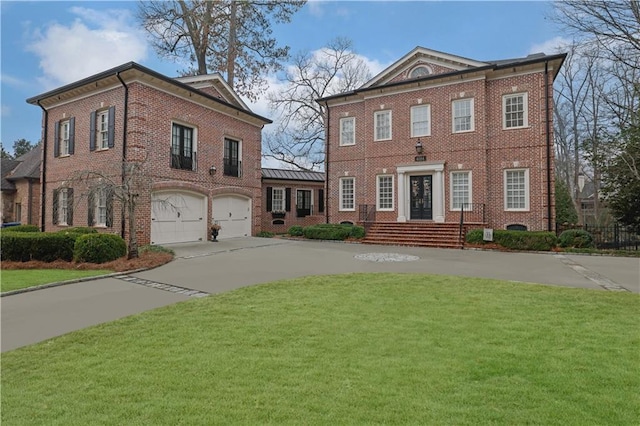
(416, 234)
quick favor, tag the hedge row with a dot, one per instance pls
(327, 231)
(516, 240)
(82, 246)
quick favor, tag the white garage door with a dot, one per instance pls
(178, 217)
(233, 213)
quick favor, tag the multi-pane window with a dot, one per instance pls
(101, 208)
(18, 212)
(347, 131)
(385, 193)
(516, 189)
(232, 162)
(347, 193)
(463, 115)
(64, 133)
(382, 120)
(182, 152)
(103, 129)
(63, 206)
(420, 121)
(277, 200)
(460, 190)
(515, 110)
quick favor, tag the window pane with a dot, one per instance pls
(383, 125)
(347, 133)
(277, 200)
(462, 115)
(385, 192)
(459, 189)
(514, 111)
(420, 121)
(347, 193)
(516, 190)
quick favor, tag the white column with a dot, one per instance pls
(438, 197)
(402, 216)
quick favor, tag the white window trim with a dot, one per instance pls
(468, 172)
(343, 120)
(342, 208)
(273, 198)
(525, 102)
(453, 115)
(386, 209)
(413, 108)
(64, 143)
(99, 194)
(194, 140)
(63, 207)
(375, 125)
(526, 190)
(102, 144)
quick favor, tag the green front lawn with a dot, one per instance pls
(14, 279)
(350, 349)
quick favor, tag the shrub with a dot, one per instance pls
(22, 228)
(356, 232)
(296, 231)
(79, 230)
(576, 238)
(99, 248)
(327, 232)
(516, 240)
(43, 246)
(265, 234)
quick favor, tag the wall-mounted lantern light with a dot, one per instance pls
(212, 170)
(419, 148)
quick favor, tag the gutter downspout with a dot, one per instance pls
(43, 195)
(548, 130)
(124, 147)
(326, 163)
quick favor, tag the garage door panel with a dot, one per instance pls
(233, 214)
(177, 217)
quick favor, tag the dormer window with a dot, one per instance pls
(419, 71)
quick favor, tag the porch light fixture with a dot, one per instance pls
(212, 170)
(419, 147)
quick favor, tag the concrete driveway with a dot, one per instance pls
(207, 268)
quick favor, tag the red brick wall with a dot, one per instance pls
(291, 218)
(33, 202)
(486, 152)
(151, 113)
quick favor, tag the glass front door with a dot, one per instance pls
(421, 191)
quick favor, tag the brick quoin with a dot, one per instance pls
(153, 103)
(486, 152)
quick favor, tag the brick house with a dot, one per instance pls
(293, 197)
(20, 194)
(434, 133)
(196, 145)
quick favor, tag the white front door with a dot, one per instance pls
(178, 217)
(233, 214)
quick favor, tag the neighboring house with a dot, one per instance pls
(198, 147)
(21, 188)
(435, 133)
(293, 197)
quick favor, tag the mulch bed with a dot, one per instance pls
(146, 260)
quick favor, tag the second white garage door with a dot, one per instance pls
(233, 214)
(178, 217)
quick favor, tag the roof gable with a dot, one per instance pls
(216, 85)
(433, 61)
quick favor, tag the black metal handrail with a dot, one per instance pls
(367, 215)
(470, 213)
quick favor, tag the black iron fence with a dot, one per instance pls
(614, 237)
(367, 215)
(470, 213)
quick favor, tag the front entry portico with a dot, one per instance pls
(421, 192)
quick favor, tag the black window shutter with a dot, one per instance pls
(91, 200)
(92, 131)
(287, 199)
(320, 200)
(56, 140)
(109, 208)
(269, 198)
(112, 126)
(55, 207)
(72, 134)
(69, 206)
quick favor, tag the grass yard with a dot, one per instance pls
(15, 279)
(349, 349)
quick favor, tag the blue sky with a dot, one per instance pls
(47, 44)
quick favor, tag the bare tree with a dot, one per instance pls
(299, 139)
(122, 188)
(613, 24)
(231, 37)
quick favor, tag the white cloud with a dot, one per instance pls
(555, 45)
(94, 42)
(315, 8)
(13, 81)
(5, 111)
